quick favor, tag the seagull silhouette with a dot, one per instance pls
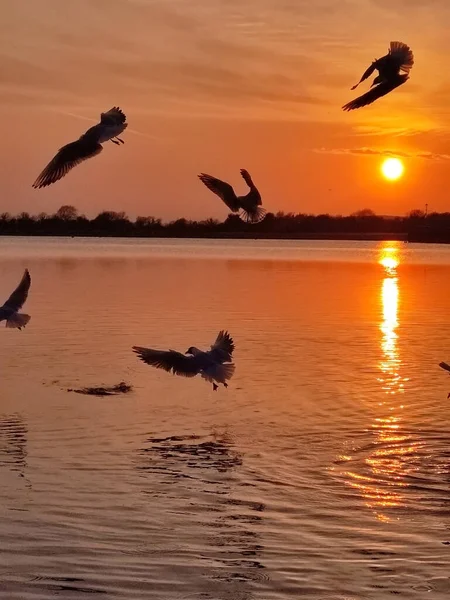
(393, 71)
(248, 207)
(210, 364)
(112, 123)
(9, 312)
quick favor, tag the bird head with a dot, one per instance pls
(193, 351)
(378, 79)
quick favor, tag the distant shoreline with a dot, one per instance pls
(403, 237)
(364, 225)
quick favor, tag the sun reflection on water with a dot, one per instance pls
(391, 452)
(390, 362)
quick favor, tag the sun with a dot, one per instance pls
(392, 168)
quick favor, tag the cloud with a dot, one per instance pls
(379, 152)
(402, 5)
(378, 130)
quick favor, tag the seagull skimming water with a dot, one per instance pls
(112, 123)
(393, 71)
(9, 312)
(210, 364)
(249, 205)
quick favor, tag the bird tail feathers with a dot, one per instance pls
(220, 373)
(403, 54)
(17, 320)
(228, 370)
(255, 215)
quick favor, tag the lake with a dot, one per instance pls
(322, 472)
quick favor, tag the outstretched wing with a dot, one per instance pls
(114, 116)
(20, 294)
(444, 366)
(247, 178)
(376, 92)
(67, 158)
(222, 189)
(367, 73)
(169, 360)
(223, 347)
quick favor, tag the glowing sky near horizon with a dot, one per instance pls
(218, 85)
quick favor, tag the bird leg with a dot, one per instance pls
(215, 387)
(225, 385)
(114, 142)
(121, 141)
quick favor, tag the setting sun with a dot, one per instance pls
(392, 168)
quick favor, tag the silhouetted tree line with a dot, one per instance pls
(364, 223)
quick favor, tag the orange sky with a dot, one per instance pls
(217, 85)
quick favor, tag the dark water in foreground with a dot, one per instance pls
(323, 472)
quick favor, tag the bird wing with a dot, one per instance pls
(114, 116)
(223, 347)
(222, 189)
(20, 294)
(376, 92)
(68, 157)
(169, 360)
(253, 198)
(367, 73)
(444, 366)
(247, 178)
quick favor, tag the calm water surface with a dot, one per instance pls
(323, 471)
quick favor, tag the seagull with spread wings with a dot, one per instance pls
(213, 365)
(248, 207)
(112, 123)
(9, 312)
(393, 71)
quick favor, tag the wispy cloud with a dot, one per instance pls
(386, 130)
(364, 151)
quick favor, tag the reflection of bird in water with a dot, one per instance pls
(9, 312)
(249, 205)
(219, 515)
(446, 367)
(399, 58)
(112, 123)
(13, 440)
(194, 452)
(213, 365)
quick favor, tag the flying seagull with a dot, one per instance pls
(9, 312)
(210, 364)
(393, 71)
(446, 367)
(112, 123)
(249, 205)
